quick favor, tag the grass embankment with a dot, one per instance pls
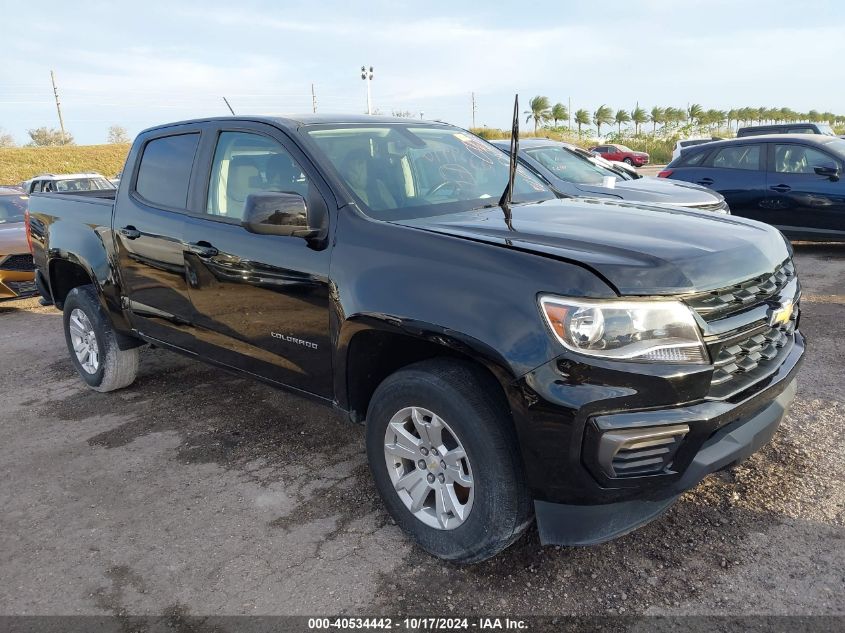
(20, 163)
(659, 149)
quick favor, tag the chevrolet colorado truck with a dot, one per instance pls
(581, 361)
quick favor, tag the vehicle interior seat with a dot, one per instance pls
(282, 175)
(242, 179)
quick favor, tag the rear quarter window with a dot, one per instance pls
(692, 158)
(165, 170)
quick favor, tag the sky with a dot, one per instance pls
(139, 64)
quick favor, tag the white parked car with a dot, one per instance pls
(66, 183)
(690, 142)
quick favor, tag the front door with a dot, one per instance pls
(148, 225)
(804, 204)
(261, 302)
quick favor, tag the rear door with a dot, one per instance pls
(801, 203)
(148, 225)
(261, 301)
(737, 171)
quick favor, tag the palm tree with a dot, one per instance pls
(603, 115)
(559, 113)
(656, 116)
(639, 116)
(733, 115)
(695, 111)
(673, 115)
(582, 117)
(539, 110)
(621, 117)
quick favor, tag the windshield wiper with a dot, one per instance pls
(505, 200)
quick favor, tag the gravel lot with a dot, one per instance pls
(198, 492)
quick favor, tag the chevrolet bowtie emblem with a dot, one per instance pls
(782, 314)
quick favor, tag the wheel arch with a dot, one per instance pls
(373, 347)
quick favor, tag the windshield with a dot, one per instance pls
(824, 128)
(12, 208)
(409, 171)
(78, 184)
(569, 166)
(623, 148)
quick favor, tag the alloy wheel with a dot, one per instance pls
(429, 468)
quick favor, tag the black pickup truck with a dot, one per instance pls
(583, 361)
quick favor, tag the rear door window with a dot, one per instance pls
(745, 157)
(165, 171)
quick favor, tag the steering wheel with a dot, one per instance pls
(457, 176)
(456, 186)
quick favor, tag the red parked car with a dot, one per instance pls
(622, 154)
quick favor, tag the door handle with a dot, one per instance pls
(203, 249)
(705, 182)
(781, 188)
(130, 232)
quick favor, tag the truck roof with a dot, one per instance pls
(295, 121)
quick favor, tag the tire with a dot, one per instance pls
(496, 507)
(629, 161)
(105, 367)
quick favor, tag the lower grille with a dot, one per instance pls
(18, 262)
(637, 452)
(22, 288)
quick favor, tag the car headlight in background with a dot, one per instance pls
(650, 331)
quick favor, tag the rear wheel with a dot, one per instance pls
(444, 457)
(92, 343)
(629, 161)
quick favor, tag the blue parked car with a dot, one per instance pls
(792, 181)
(571, 171)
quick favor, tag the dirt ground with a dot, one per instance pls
(198, 492)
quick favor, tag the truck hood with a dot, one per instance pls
(639, 250)
(655, 190)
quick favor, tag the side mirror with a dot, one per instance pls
(275, 213)
(828, 170)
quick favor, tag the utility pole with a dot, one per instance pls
(58, 105)
(473, 109)
(313, 100)
(367, 75)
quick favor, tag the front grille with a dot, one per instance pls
(718, 303)
(744, 359)
(18, 262)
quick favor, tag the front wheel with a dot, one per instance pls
(92, 343)
(445, 459)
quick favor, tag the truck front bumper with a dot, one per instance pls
(566, 524)
(567, 412)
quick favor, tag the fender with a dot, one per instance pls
(82, 243)
(452, 343)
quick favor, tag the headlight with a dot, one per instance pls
(651, 331)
